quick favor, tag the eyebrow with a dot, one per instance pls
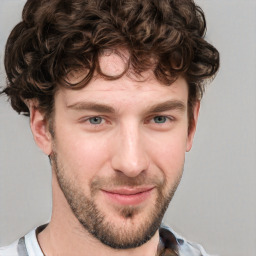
(92, 106)
(168, 105)
(102, 108)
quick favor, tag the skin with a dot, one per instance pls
(131, 141)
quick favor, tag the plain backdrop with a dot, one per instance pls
(215, 203)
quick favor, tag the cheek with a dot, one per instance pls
(81, 156)
(168, 154)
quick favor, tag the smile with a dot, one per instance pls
(128, 196)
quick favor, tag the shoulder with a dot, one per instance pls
(185, 248)
(10, 250)
(26, 245)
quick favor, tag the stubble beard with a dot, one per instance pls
(94, 220)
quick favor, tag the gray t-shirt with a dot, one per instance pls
(170, 244)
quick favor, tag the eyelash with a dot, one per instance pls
(167, 118)
(87, 120)
(148, 120)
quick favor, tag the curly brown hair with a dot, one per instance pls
(60, 36)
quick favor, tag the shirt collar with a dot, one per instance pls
(168, 243)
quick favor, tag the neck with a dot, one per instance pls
(66, 236)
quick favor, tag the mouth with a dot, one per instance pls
(128, 196)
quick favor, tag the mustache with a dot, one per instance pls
(121, 180)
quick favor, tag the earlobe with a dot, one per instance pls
(40, 130)
(192, 130)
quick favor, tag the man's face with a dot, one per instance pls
(118, 153)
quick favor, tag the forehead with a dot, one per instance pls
(129, 87)
(125, 90)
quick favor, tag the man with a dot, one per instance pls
(113, 90)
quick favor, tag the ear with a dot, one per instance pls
(40, 129)
(192, 129)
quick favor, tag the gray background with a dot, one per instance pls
(215, 203)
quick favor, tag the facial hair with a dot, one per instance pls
(94, 220)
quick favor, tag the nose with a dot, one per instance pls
(129, 155)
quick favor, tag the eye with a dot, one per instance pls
(95, 120)
(160, 119)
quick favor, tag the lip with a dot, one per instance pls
(128, 196)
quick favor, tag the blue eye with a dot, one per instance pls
(160, 119)
(95, 120)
